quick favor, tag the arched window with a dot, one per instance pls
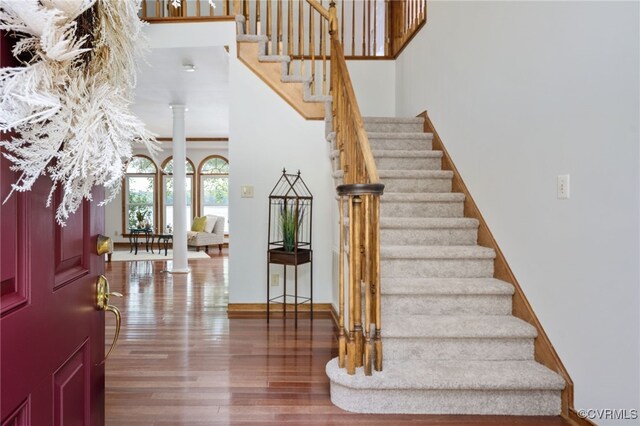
(214, 187)
(167, 192)
(140, 192)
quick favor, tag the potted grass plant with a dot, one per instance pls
(289, 224)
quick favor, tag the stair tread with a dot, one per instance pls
(317, 98)
(400, 135)
(428, 222)
(295, 79)
(416, 174)
(410, 197)
(399, 120)
(450, 375)
(274, 58)
(457, 326)
(404, 153)
(445, 286)
(252, 38)
(436, 252)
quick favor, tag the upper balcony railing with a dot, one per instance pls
(367, 28)
(155, 11)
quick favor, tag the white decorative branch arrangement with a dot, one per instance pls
(69, 101)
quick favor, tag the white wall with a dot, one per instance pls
(521, 92)
(193, 34)
(266, 135)
(374, 84)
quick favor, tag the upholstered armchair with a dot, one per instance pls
(205, 239)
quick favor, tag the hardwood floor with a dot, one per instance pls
(179, 359)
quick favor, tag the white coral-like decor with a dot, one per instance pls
(69, 101)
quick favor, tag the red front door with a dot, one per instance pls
(51, 334)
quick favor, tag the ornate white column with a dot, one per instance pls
(180, 264)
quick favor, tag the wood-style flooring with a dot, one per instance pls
(179, 359)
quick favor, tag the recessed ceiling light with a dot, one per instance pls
(189, 67)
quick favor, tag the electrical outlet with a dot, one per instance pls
(115, 232)
(275, 280)
(563, 187)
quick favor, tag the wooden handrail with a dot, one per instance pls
(362, 344)
(404, 19)
(320, 9)
(363, 140)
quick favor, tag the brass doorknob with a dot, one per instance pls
(104, 245)
(102, 302)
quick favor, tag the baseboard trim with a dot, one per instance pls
(259, 310)
(574, 419)
(335, 317)
(544, 352)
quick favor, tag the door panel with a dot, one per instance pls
(70, 248)
(71, 390)
(52, 335)
(13, 268)
(21, 416)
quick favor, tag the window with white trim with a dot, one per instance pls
(214, 188)
(167, 192)
(140, 192)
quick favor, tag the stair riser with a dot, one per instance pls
(402, 144)
(404, 163)
(429, 237)
(416, 401)
(420, 185)
(437, 268)
(335, 162)
(460, 349)
(262, 48)
(394, 127)
(328, 126)
(430, 209)
(418, 304)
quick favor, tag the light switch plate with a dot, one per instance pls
(247, 191)
(563, 187)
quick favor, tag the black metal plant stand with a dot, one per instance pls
(290, 216)
(134, 239)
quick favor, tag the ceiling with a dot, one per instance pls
(162, 81)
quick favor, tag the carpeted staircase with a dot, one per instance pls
(451, 345)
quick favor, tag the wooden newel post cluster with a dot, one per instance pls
(360, 344)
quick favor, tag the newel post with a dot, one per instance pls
(333, 19)
(237, 7)
(363, 346)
